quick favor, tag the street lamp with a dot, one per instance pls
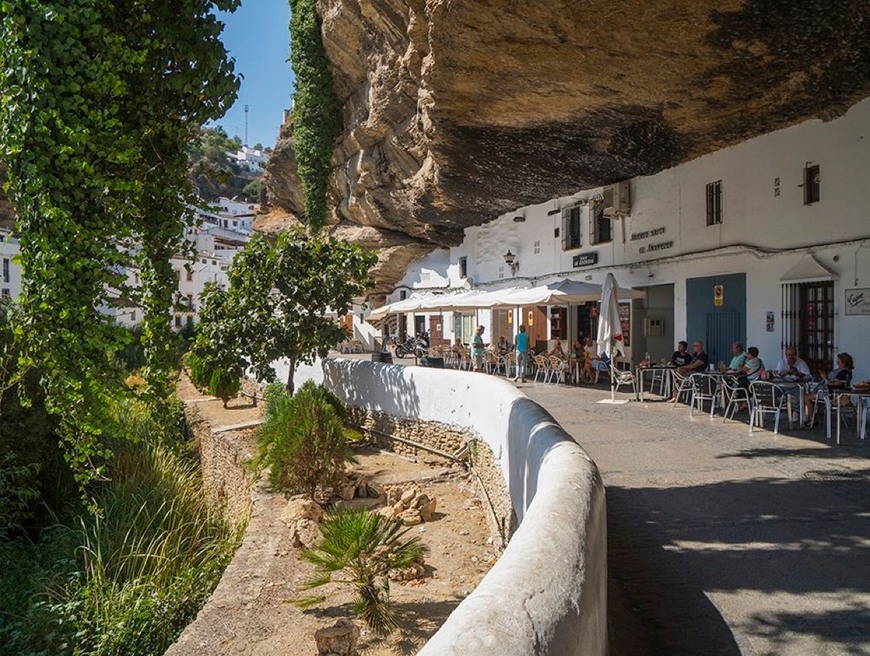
(511, 260)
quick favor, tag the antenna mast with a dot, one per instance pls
(246, 125)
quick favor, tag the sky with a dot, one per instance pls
(257, 36)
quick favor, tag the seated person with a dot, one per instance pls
(792, 366)
(697, 364)
(557, 351)
(699, 361)
(738, 359)
(458, 347)
(752, 368)
(503, 346)
(840, 377)
(577, 349)
(681, 356)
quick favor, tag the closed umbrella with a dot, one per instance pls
(610, 327)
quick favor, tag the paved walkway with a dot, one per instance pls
(722, 542)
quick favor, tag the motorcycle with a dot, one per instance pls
(401, 349)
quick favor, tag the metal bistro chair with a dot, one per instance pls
(542, 368)
(558, 369)
(704, 388)
(620, 377)
(767, 399)
(510, 364)
(736, 395)
(682, 385)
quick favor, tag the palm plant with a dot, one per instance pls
(360, 548)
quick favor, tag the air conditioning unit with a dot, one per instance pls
(617, 200)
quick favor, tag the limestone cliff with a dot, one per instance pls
(455, 111)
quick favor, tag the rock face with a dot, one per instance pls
(456, 111)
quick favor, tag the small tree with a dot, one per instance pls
(279, 298)
(303, 440)
(364, 547)
(215, 361)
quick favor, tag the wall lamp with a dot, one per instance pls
(511, 260)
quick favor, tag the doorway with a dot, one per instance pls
(716, 313)
(535, 319)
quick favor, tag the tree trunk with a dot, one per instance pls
(292, 367)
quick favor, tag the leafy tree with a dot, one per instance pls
(252, 189)
(214, 363)
(303, 441)
(364, 548)
(278, 300)
(99, 101)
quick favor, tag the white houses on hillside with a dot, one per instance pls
(766, 242)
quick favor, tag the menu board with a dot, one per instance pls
(625, 322)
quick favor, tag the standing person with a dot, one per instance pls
(522, 354)
(478, 348)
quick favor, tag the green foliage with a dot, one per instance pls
(303, 441)
(316, 122)
(18, 492)
(363, 547)
(211, 169)
(215, 364)
(128, 579)
(99, 101)
(252, 190)
(278, 299)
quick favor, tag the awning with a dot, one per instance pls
(565, 292)
(809, 268)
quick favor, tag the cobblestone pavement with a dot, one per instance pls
(722, 541)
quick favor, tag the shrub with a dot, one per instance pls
(364, 548)
(208, 376)
(303, 440)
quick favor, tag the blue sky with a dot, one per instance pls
(258, 38)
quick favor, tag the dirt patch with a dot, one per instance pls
(250, 612)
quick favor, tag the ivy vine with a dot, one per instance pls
(316, 121)
(98, 100)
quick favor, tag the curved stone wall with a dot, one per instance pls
(547, 594)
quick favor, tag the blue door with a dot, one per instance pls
(716, 313)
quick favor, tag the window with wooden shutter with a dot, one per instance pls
(571, 228)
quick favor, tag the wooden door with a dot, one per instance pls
(535, 320)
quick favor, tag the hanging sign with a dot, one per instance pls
(858, 301)
(585, 259)
(718, 295)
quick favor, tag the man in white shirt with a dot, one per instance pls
(792, 365)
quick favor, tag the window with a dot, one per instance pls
(178, 321)
(571, 228)
(463, 267)
(5, 269)
(6, 293)
(190, 301)
(812, 185)
(714, 203)
(403, 294)
(189, 275)
(133, 316)
(601, 226)
(501, 272)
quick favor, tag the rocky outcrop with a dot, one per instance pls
(456, 111)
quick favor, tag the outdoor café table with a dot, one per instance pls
(665, 370)
(859, 410)
(788, 386)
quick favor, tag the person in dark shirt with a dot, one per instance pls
(699, 362)
(681, 356)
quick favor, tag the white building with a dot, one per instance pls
(10, 274)
(766, 242)
(251, 159)
(230, 214)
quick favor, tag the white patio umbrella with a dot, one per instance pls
(610, 327)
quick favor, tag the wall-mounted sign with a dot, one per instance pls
(858, 301)
(585, 259)
(718, 295)
(771, 321)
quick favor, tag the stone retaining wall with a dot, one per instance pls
(547, 594)
(226, 481)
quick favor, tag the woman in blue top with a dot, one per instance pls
(840, 377)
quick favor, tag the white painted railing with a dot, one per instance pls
(547, 594)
